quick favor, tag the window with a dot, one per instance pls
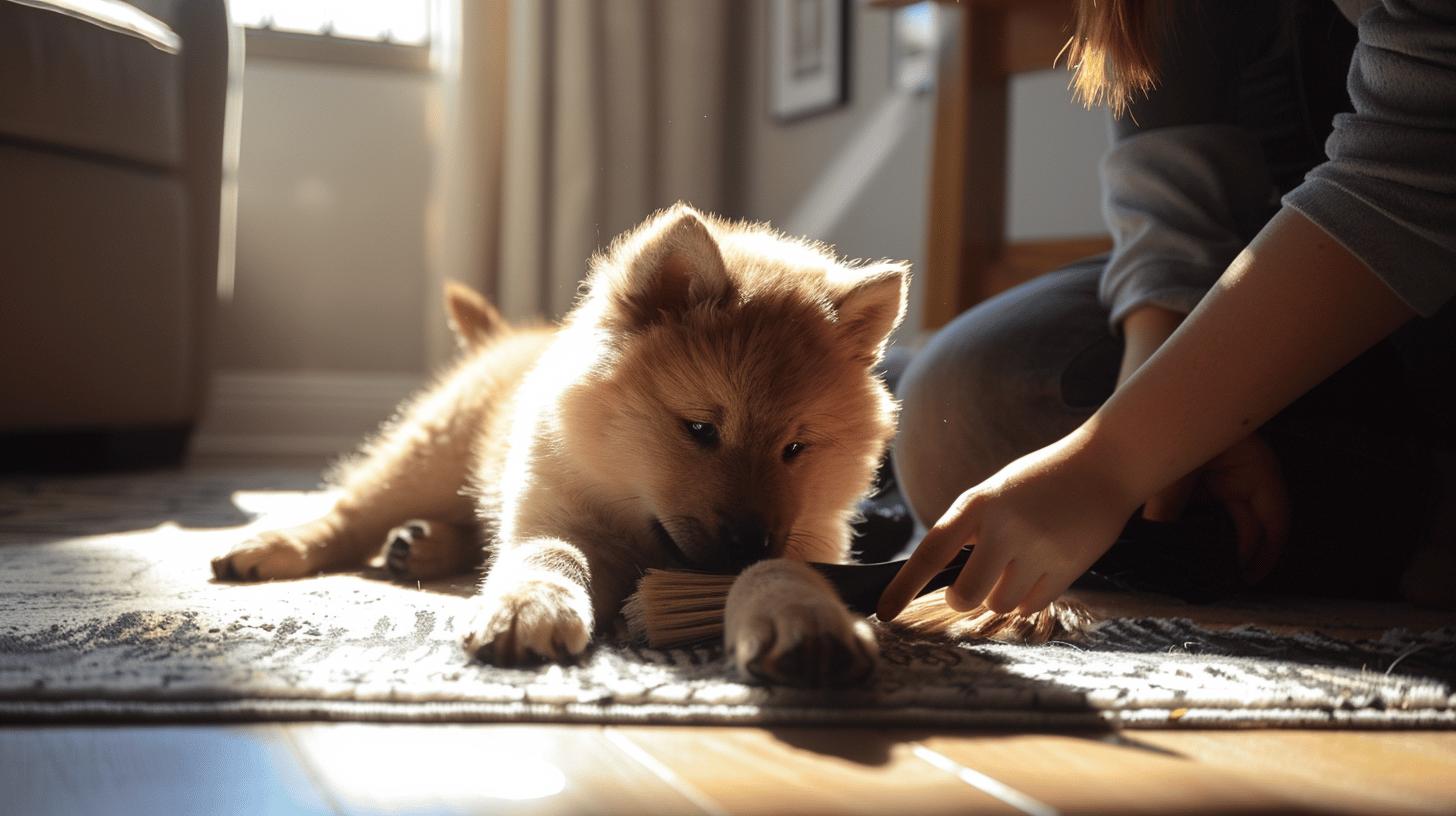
(375, 33)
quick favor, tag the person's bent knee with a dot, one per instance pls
(987, 387)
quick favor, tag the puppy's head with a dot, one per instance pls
(736, 401)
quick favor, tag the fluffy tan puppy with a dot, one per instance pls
(710, 402)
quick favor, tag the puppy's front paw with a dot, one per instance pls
(815, 643)
(532, 621)
(274, 554)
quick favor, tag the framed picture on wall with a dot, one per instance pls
(808, 56)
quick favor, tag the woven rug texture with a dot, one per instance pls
(108, 610)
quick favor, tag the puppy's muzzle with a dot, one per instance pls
(745, 539)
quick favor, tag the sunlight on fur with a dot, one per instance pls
(712, 401)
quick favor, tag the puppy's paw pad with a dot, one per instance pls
(534, 622)
(426, 550)
(405, 547)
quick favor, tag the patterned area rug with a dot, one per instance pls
(107, 610)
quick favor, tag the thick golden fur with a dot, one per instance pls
(570, 458)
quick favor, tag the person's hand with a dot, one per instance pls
(1247, 481)
(1036, 525)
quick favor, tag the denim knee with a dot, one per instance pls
(1009, 376)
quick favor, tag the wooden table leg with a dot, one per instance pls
(967, 215)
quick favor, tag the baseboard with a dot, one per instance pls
(296, 413)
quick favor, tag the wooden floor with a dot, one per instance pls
(357, 769)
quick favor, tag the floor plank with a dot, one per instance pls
(505, 769)
(149, 770)
(808, 771)
(1167, 772)
(1080, 775)
(1391, 772)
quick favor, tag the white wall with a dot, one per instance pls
(878, 148)
(853, 177)
(335, 170)
(1054, 145)
(325, 331)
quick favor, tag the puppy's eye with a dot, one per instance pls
(703, 433)
(792, 450)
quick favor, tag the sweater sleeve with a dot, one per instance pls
(1186, 183)
(1178, 202)
(1388, 191)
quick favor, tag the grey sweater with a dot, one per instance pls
(1188, 184)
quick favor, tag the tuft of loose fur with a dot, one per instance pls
(930, 616)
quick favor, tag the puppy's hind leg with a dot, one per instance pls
(422, 550)
(414, 467)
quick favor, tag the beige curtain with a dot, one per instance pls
(565, 122)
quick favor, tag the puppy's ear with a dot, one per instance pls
(471, 316)
(870, 306)
(676, 267)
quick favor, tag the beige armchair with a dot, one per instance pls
(115, 221)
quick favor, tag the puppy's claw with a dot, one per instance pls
(222, 569)
(276, 554)
(806, 646)
(535, 622)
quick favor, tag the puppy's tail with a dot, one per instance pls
(471, 316)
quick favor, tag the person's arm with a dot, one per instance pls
(1291, 309)
(1144, 331)
(1246, 479)
(1185, 187)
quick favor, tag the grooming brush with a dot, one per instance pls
(678, 607)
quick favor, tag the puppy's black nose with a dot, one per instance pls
(745, 538)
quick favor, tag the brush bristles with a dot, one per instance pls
(678, 608)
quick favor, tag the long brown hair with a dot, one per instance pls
(1113, 53)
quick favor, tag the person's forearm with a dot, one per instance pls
(1290, 310)
(1144, 331)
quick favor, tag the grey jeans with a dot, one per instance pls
(1026, 367)
(1011, 375)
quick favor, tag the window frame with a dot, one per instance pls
(327, 49)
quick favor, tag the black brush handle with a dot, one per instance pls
(1189, 561)
(860, 585)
